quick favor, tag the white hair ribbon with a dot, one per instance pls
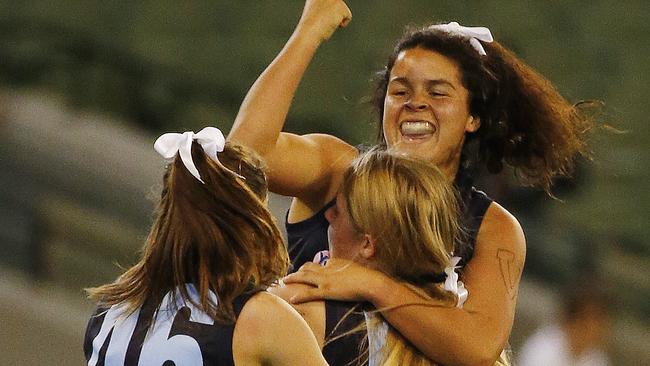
(452, 284)
(474, 34)
(210, 138)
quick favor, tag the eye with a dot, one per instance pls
(437, 93)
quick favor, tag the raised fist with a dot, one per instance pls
(321, 18)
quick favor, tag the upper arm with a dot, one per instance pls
(492, 275)
(313, 311)
(308, 167)
(270, 332)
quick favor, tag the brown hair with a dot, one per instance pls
(219, 236)
(525, 122)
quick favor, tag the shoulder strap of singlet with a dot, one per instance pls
(474, 207)
(308, 223)
(478, 205)
(241, 300)
(238, 304)
(474, 204)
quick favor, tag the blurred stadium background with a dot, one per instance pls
(86, 86)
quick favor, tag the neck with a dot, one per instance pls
(450, 171)
(451, 166)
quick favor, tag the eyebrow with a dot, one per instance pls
(430, 83)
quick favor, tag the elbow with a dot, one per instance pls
(477, 360)
(251, 141)
(479, 355)
(486, 361)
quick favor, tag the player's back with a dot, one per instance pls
(174, 333)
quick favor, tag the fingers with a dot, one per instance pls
(310, 266)
(303, 276)
(321, 18)
(307, 275)
(307, 295)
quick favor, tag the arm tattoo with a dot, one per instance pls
(508, 270)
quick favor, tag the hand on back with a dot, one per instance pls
(340, 279)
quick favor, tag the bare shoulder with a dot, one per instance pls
(286, 291)
(260, 306)
(260, 317)
(270, 331)
(493, 274)
(501, 230)
(267, 311)
(313, 312)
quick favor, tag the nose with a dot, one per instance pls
(416, 103)
(328, 214)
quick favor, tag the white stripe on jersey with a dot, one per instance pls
(158, 347)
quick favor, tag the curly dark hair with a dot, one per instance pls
(525, 122)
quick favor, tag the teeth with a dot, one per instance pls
(416, 128)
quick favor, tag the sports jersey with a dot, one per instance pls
(181, 334)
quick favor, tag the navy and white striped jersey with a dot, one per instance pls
(181, 334)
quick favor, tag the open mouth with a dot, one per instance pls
(417, 129)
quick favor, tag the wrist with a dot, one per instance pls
(308, 36)
(377, 287)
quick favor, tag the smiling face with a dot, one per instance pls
(426, 112)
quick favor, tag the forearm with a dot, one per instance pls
(447, 335)
(263, 112)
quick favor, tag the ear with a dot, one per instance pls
(367, 250)
(473, 123)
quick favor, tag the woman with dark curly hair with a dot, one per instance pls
(450, 95)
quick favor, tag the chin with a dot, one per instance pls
(417, 151)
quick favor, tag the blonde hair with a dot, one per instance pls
(412, 211)
(219, 236)
(410, 208)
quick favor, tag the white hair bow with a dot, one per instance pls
(210, 138)
(452, 284)
(474, 34)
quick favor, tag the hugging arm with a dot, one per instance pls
(473, 335)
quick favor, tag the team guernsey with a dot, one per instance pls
(181, 334)
(307, 242)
